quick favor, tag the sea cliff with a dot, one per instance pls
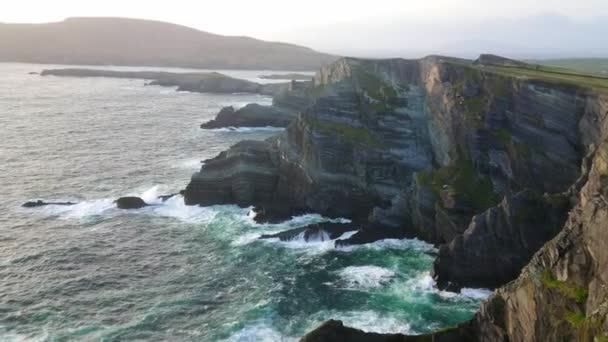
(484, 158)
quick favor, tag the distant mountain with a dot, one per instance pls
(122, 41)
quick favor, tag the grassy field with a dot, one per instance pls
(552, 74)
(590, 65)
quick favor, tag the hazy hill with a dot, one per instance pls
(122, 41)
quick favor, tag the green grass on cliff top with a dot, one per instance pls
(550, 74)
(590, 65)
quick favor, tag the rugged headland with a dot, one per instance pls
(210, 82)
(501, 164)
(125, 41)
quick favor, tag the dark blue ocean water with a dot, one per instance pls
(170, 272)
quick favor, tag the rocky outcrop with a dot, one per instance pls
(252, 115)
(211, 82)
(334, 330)
(247, 173)
(314, 232)
(562, 293)
(442, 149)
(41, 203)
(130, 202)
(501, 241)
(350, 151)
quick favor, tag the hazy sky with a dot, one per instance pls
(372, 27)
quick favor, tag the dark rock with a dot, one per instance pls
(40, 203)
(333, 330)
(320, 231)
(33, 73)
(500, 242)
(276, 212)
(246, 174)
(212, 82)
(492, 136)
(252, 115)
(130, 203)
(371, 234)
(166, 197)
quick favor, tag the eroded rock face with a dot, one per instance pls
(245, 174)
(501, 241)
(354, 148)
(563, 293)
(252, 115)
(423, 148)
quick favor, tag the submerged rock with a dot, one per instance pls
(334, 330)
(371, 234)
(164, 198)
(130, 202)
(41, 203)
(319, 231)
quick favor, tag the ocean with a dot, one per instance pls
(171, 272)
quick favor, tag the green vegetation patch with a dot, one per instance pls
(587, 65)
(579, 294)
(503, 136)
(461, 176)
(552, 75)
(354, 135)
(374, 86)
(575, 318)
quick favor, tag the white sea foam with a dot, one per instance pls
(312, 246)
(150, 196)
(80, 210)
(425, 283)
(366, 277)
(370, 321)
(190, 164)
(258, 332)
(247, 129)
(176, 208)
(399, 244)
(295, 222)
(476, 293)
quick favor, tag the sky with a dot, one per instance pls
(407, 28)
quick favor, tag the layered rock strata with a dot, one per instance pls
(457, 153)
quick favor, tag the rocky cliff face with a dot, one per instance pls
(562, 293)
(460, 154)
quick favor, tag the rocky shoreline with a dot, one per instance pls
(211, 82)
(501, 165)
(461, 154)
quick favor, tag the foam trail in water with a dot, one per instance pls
(365, 277)
(176, 207)
(80, 210)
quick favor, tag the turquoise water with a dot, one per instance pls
(170, 272)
